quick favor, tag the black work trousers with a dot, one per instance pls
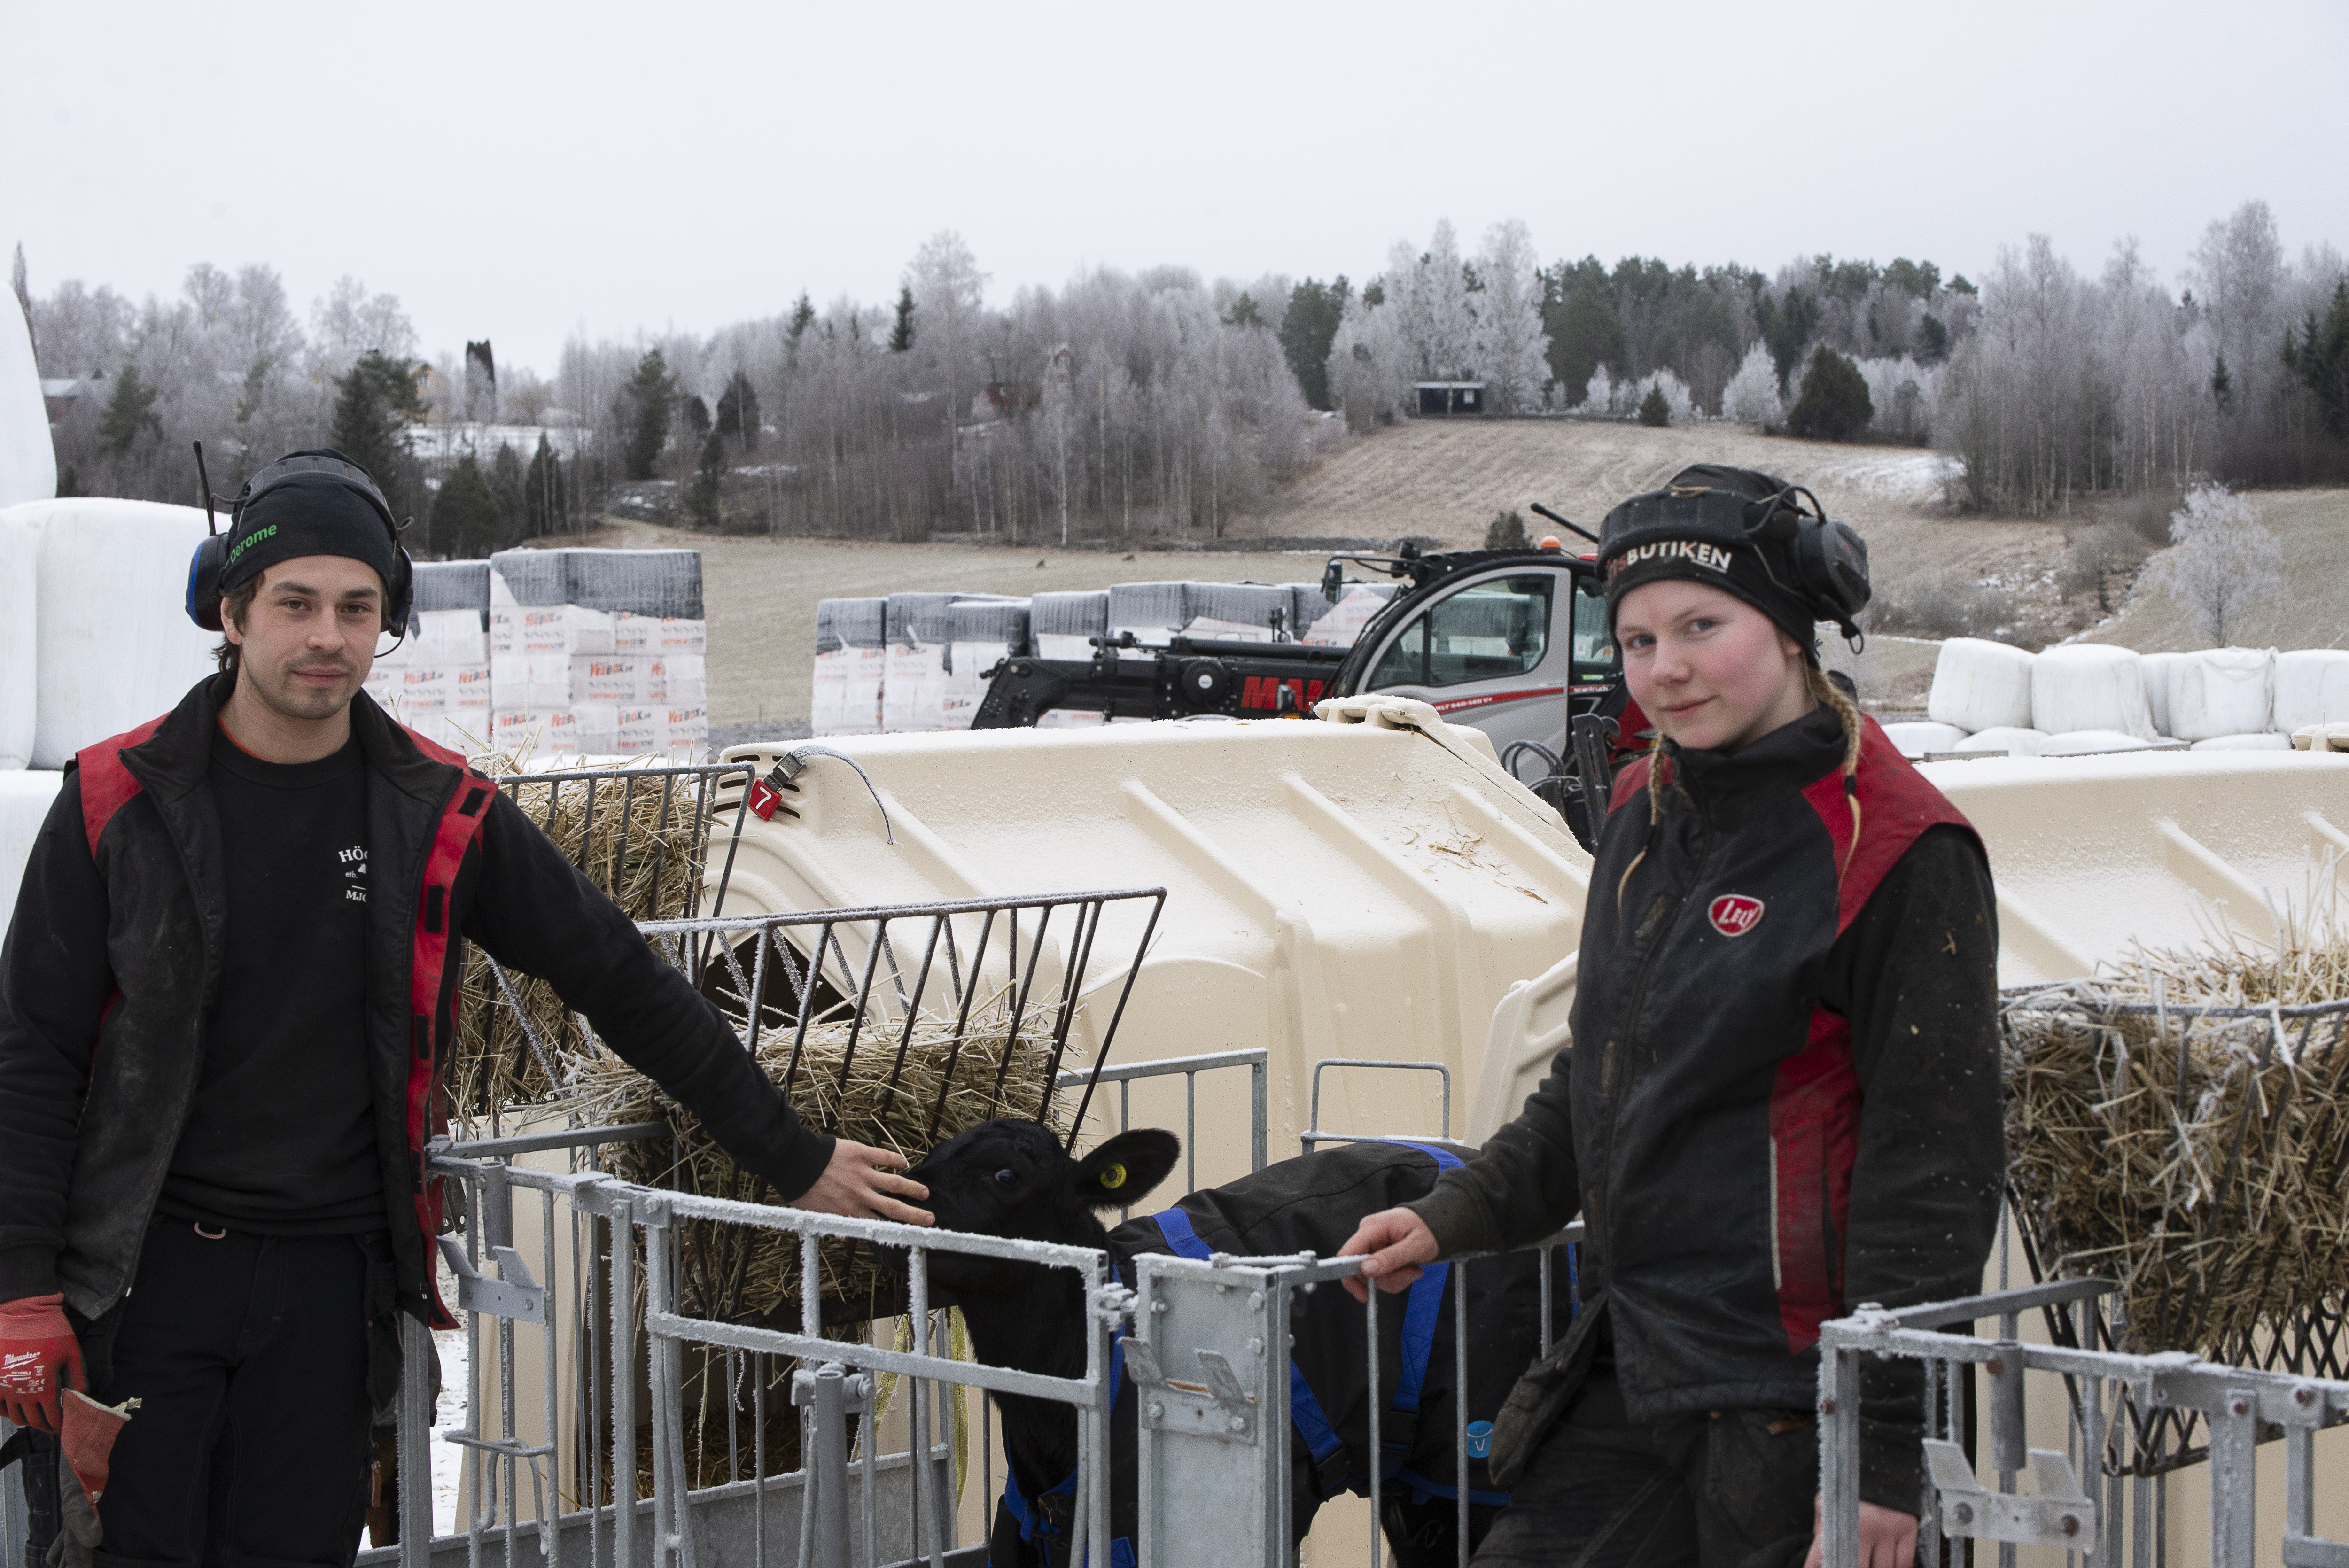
(249, 1357)
(1732, 1489)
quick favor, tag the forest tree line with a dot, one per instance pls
(1127, 404)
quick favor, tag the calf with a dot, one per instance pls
(1011, 1177)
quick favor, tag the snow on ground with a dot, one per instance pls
(448, 1458)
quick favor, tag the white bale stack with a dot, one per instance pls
(914, 673)
(20, 545)
(984, 635)
(2089, 686)
(1980, 685)
(2221, 691)
(2007, 740)
(1916, 739)
(1362, 603)
(26, 796)
(114, 647)
(2159, 679)
(2265, 740)
(2083, 742)
(1061, 626)
(848, 667)
(2311, 686)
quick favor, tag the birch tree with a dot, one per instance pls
(1512, 351)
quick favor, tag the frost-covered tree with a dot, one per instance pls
(2223, 564)
(1511, 350)
(1751, 397)
(1370, 365)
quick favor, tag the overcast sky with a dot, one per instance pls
(524, 171)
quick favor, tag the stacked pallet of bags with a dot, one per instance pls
(598, 653)
(982, 635)
(851, 655)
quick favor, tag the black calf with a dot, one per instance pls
(1011, 1177)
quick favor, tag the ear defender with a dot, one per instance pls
(203, 583)
(210, 558)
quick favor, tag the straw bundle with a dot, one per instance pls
(2196, 1158)
(639, 841)
(747, 1274)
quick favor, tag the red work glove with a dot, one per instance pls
(38, 1353)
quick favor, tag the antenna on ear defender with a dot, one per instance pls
(204, 483)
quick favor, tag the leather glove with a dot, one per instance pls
(38, 1355)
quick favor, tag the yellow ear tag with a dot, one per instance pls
(1113, 1178)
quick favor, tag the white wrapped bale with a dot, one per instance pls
(2221, 691)
(848, 667)
(984, 635)
(2007, 740)
(2156, 668)
(1915, 739)
(1062, 625)
(2265, 740)
(20, 545)
(2086, 742)
(115, 647)
(914, 673)
(2311, 686)
(26, 796)
(1980, 685)
(2089, 686)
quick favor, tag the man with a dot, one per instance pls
(224, 1000)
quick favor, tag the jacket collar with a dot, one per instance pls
(1790, 758)
(172, 761)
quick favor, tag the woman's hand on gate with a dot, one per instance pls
(862, 1181)
(1398, 1240)
(1887, 1538)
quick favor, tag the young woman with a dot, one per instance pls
(1783, 1095)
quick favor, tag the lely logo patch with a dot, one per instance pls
(1734, 914)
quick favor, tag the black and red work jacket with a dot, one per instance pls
(112, 966)
(1782, 1096)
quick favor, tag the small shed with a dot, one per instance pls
(1449, 397)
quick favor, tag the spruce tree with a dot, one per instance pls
(901, 337)
(542, 492)
(371, 400)
(1307, 330)
(701, 498)
(737, 412)
(1506, 532)
(1834, 405)
(506, 483)
(2320, 360)
(1654, 410)
(464, 523)
(129, 411)
(645, 407)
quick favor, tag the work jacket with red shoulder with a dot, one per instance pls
(112, 964)
(1782, 1098)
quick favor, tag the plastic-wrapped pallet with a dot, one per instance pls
(20, 544)
(2221, 691)
(2265, 740)
(848, 693)
(914, 663)
(1980, 685)
(113, 648)
(657, 636)
(1239, 612)
(452, 636)
(2089, 686)
(1362, 603)
(673, 733)
(453, 586)
(2086, 742)
(2311, 686)
(682, 680)
(2156, 668)
(25, 795)
(1915, 739)
(2007, 740)
(1062, 625)
(1153, 612)
(659, 582)
(1306, 606)
(984, 634)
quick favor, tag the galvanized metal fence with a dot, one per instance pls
(2082, 1503)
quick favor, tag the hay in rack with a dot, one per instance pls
(2180, 1124)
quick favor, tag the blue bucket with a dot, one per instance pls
(1480, 1439)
